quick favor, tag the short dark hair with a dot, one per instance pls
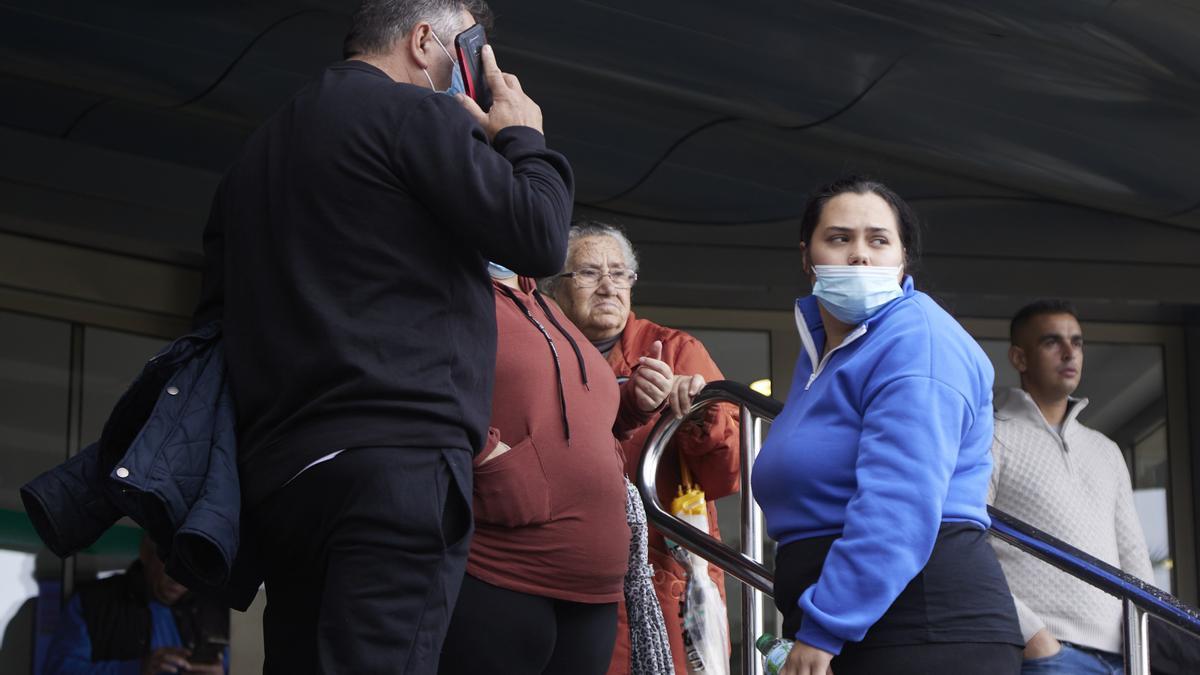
(906, 218)
(1036, 309)
(377, 24)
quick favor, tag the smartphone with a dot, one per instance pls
(469, 45)
(208, 651)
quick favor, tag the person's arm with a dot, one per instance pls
(629, 416)
(510, 199)
(710, 445)
(1131, 541)
(1030, 622)
(907, 454)
(211, 306)
(70, 651)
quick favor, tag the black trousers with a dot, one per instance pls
(364, 555)
(496, 630)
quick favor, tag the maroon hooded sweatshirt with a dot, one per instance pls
(550, 512)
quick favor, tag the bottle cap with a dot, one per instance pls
(764, 641)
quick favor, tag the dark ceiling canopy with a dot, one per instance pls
(679, 116)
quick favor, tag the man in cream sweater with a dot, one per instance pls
(1069, 481)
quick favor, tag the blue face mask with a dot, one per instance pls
(500, 271)
(855, 293)
(456, 80)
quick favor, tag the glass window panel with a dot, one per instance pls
(742, 355)
(17, 593)
(1123, 384)
(34, 383)
(1173, 651)
(111, 359)
(1126, 392)
(34, 377)
(1150, 459)
(1151, 505)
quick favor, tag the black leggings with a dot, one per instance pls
(956, 615)
(946, 658)
(495, 630)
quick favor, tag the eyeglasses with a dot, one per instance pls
(590, 277)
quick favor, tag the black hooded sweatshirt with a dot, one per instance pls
(346, 255)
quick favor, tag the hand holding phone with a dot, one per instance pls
(208, 652)
(510, 106)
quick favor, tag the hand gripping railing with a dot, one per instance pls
(1140, 600)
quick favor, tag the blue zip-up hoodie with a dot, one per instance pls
(881, 442)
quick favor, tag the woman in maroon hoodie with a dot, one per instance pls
(551, 543)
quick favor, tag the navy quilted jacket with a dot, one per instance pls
(167, 458)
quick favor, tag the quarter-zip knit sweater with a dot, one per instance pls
(882, 440)
(1074, 486)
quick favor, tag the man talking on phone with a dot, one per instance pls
(346, 255)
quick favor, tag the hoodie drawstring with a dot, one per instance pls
(574, 345)
(562, 398)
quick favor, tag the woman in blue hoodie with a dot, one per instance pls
(874, 478)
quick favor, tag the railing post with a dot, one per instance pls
(1136, 639)
(752, 543)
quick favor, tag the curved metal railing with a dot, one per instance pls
(1140, 599)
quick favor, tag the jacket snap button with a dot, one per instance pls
(122, 472)
(173, 391)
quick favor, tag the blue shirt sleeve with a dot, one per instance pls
(907, 454)
(70, 650)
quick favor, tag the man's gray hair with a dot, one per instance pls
(582, 229)
(379, 23)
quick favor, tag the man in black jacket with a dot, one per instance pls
(346, 254)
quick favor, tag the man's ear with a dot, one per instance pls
(1016, 356)
(417, 43)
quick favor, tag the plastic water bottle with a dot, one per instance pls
(774, 650)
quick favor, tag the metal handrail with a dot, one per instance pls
(1140, 599)
(746, 569)
(745, 565)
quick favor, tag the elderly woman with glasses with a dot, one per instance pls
(594, 292)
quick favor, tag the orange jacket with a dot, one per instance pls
(711, 453)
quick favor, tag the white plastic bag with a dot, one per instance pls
(705, 624)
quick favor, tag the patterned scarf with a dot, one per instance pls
(650, 650)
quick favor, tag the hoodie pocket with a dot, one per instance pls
(512, 490)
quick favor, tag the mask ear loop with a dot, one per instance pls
(443, 46)
(453, 61)
(804, 264)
